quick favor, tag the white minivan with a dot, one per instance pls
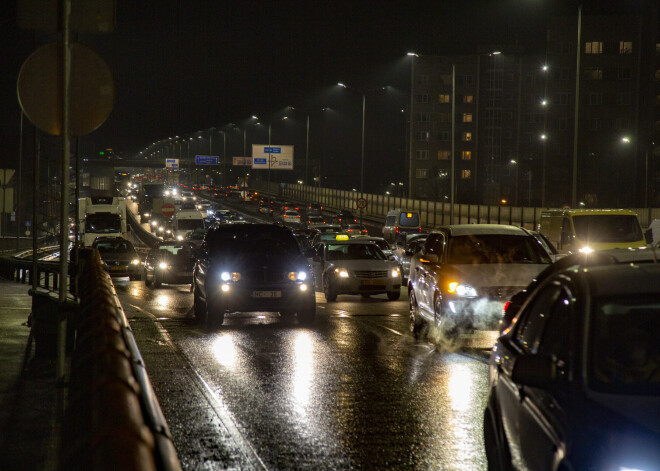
(399, 221)
(186, 221)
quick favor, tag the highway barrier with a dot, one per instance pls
(113, 419)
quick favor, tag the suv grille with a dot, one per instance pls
(501, 292)
(369, 275)
(265, 276)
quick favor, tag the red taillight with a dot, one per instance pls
(506, 305)
(397, 230)
(420, 229)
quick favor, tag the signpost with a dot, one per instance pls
(272, 157)
(242, 161)
(207, 159)
(167, 210)
(171, 163)
(361, 203)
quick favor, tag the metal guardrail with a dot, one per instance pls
(145, 236)
(113, 419)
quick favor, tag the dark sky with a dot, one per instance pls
(185, 65)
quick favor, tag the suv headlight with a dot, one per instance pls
(227, 276)
(135, 261)
(462, 289)
(300, 276)
(341, 272)
(162, 266)
(396, 272)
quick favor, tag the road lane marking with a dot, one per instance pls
(215, 401)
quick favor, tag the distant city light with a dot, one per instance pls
(544, 68)
(625, 140)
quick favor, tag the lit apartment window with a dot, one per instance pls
(421, 172)
(593, 73)
(466, 155)
(468, 98)
(465, 174)
(423, 135)
(422, 155)
(467, 117)
(444, 154)
(467, 136)
(625, 47)
(443, 98)
(422, 98)
(593, 47)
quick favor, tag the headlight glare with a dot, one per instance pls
(225, 276)
(179, 237)
(341, 272)
(162, 265)
(463, 290)
(235, 276)
(396, 272)
(302, 276)
(135, 261)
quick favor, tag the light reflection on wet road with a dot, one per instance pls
(355, 390)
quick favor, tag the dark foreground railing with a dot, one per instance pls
(113, 419)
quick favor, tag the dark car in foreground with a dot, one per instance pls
(250, 268)
(119, 256)
(170, 263)
(584, 260)
(574, 384)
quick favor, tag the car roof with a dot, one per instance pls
(475, 229)
(356, 241)
(623, 279)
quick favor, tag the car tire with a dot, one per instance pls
(447, 329)
(497, 451)
(394, 295)
(307, 314)
(157, 282)
(147, 281)
(416, 322)
(215, 314)
(329, 291)
(198, 306)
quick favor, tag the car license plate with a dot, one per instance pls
(371, 282)
(267, 294)
(117, 268)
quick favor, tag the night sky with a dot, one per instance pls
(181, 66)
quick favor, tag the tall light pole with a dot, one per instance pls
(412, 56)
(364, 103)
(453, 143)
(577, 108)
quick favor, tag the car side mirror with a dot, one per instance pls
(429, 258)
(535, 370)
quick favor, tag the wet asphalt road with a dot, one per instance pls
(353, 391)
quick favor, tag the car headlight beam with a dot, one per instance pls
(341, 272)
(135, 261)
(162, 266)
(462, 289)
(396, 272)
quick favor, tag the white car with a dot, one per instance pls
(355, 267)
(465, 273)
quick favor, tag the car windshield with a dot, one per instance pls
(258, 240)
(495, 248)
(624, 355)
(409, 220)
(303, 242)
(114, 245)
(190, 224)
(355, 252)
(103, 223)
(607, 228)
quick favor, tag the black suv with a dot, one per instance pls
(344, 218)
(252, 267)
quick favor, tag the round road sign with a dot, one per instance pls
(167, 210)
(361, 203)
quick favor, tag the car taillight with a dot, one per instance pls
(397, 230)
(507, 305)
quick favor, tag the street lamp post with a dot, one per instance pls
(364, 107)
(577, 108)
(412, 56)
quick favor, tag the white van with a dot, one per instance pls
(587, 230)
(399, 221)
(186, 221)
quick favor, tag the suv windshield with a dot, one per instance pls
(495, 248)
(607, 228)
(409, 219)
(189, 224)
(624, 354)
(252, 239)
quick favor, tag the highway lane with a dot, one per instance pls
(355, 390)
